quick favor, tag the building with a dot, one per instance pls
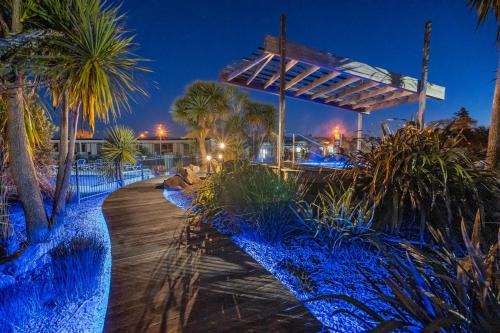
(91, 148)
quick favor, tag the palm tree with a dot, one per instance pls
(235, 136)
(14, 18)
(94, 67)
(201, 107)
(120, 147)
(261, 119)
(79, 47)
(483, 8)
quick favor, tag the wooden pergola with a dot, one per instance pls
(325, 78)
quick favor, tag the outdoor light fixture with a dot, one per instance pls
(222, 145)
(209, 158)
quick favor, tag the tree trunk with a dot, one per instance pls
(63, 146)
(493, 151)
(203, 150)
(22, 167)
(60, 200)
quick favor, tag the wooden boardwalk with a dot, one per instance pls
(167, 277)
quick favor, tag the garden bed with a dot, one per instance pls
(61, 285)
(311, 270)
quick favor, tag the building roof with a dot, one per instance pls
(325, 78)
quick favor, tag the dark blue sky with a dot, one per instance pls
(193, 40)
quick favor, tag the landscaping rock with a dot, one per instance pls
(176, 182)
(190, 176)
(195, 168)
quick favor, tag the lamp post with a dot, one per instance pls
(160, 131)
(209, 159)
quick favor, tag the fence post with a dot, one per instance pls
(165, 163)
(77, 175)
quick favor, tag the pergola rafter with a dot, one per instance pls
(325, 78)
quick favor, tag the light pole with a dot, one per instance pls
(160, 131)
(209, 159)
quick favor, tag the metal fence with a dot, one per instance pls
(98, 177)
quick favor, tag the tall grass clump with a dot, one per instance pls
(243, 194)
(71, 277)
(413, 177)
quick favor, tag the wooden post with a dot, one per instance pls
(281, 115)
(422, 89)
(360, 131)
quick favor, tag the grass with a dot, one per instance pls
(70, 277)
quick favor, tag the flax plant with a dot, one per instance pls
(415, 176)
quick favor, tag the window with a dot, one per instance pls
(167, 148)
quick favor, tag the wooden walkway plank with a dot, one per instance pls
(166, 279)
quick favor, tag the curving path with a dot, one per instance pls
(167, 277)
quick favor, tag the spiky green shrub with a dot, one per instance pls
(242, 194)
(120, 147)
(437, 289)
(335, 217)
(414, 176)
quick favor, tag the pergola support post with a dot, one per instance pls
(422, 89)
(360, 131)
(281, 115)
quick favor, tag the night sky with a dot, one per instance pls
(193, 40)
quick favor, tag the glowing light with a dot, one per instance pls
(222, 145)
(161, 131)
(297, 149)
(209, 157)
(220, 156)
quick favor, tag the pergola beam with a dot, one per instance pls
(260, 68)
(301, 76)
(352, 90)
(251, 64)
(273, 79)
(336, 86)
(317, 82)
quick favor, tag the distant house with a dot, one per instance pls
(91, 148)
